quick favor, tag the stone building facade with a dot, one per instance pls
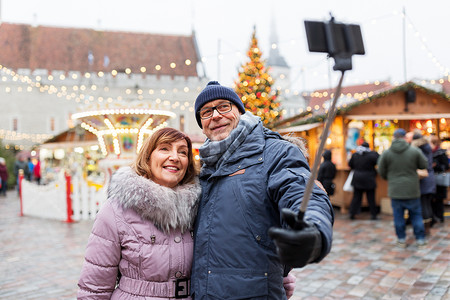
(47, 74)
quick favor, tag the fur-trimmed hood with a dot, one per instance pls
(299, 142)
(167, 208)
(419, 142)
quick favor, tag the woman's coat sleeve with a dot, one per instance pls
(100, 269)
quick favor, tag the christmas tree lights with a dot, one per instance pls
(254, 86)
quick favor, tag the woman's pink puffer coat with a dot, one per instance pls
(141, 242)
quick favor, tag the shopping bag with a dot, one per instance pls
(442, 179)
(348, 187)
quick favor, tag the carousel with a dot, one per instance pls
(82, 168)
(121, 130)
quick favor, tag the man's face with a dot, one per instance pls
(219, 126)
(409, 137)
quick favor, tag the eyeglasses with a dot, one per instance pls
(222, 108)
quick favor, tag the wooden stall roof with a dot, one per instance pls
(384, 104)
(326, 94)
(73, 135)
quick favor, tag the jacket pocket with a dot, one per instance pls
(250, 195)
(237, 284)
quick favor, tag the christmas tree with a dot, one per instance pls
(254, 86)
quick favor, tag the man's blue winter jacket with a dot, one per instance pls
(234, 258)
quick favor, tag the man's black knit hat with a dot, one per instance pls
(214, 91)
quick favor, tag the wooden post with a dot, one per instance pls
(68, 199)
(20, 192)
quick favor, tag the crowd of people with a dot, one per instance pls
(421, 196)
(31, 168)
(31, 171)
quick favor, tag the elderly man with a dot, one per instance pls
(252, 181)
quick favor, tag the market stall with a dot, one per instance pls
(373, 119)
(74, 151)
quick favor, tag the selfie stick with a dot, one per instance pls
(310, 183)
(340, 41)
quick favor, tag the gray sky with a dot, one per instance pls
(231, 22)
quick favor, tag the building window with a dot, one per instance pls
(15, 124)
(182, 123)
(70, 122)
(52, 124)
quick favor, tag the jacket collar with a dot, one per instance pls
(252, 146)
(167, 208)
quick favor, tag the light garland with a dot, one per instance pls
(74, 93)
(121, 111)
(308, 116)
(128, 70)
(422, 40)
(14, 147)
(18, 136)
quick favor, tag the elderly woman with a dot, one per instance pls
(141, 242)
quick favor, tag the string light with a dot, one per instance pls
(52, 89)
(70, 93)
(308, 116)
(18, 136)
(422, 40)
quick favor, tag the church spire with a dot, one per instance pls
(275, 58)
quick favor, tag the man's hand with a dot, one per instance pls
(299, 245)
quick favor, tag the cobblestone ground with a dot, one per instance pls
(39, 259)
(364, 263)
(42, 259)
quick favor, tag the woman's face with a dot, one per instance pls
(169, 162)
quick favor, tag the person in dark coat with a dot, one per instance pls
(363, 163)
(3, 176)
(21, 164)
(427, 184)
(440, 165)
(29, 176)
(327, 172)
